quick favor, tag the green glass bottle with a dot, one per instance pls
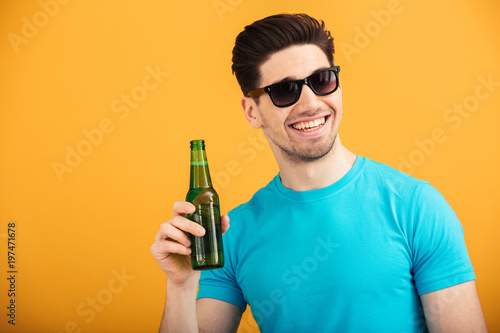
(206, 251)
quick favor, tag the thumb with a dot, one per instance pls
(224, 221)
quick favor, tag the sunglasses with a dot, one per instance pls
(287, 93)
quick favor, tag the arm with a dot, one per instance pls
(184, 314)
(442, 269)
(454, 309)
(217, 316)
(171, 250)
(179, 314)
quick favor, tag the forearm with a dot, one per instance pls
(180, 310)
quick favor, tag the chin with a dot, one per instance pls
(310, 155)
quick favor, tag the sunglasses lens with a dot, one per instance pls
(284, 93)
(324, 82)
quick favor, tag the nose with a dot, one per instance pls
(308, 100)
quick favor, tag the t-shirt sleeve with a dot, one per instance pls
(440, 257)
(221, 283)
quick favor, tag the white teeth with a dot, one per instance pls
(309, 126)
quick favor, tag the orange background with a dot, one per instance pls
(76, 76)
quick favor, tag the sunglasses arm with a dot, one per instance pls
(256, 93)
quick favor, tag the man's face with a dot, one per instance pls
(306, 130)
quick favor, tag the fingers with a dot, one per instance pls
(186, 225)
(172, 236)
(176, 229)
(172, 239)
(183, 207)
(168, 231)
(162, 249)
(224, 220)
(173, 233)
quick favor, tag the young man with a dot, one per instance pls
(335, 242)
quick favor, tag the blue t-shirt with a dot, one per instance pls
(351, 257)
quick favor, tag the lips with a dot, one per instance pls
(306, 126)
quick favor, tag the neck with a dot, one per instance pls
(307, 176)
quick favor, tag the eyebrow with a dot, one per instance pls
(289, 78)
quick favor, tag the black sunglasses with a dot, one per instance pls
(287, 93)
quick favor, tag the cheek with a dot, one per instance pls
(335, 102)
(272, 118)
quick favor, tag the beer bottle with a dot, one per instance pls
(206, 251)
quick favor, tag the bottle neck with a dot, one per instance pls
(200, 176)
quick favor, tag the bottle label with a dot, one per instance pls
(199, 163)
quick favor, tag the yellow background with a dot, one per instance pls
(78, 230)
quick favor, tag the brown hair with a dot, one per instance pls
(261, 39)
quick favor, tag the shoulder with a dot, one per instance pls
(415, 198)
(388, 173)
(425, 203)
(421, 192)
(388, 179)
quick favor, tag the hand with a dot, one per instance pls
(172, 246)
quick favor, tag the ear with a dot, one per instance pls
(250, 108)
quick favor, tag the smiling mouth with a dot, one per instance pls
(306, 126)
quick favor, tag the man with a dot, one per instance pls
(335, 242)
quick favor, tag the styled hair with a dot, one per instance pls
(259, 40)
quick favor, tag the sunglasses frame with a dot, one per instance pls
(257, 92)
